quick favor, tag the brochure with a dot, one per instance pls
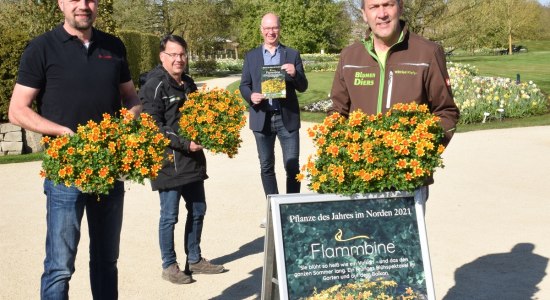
(273, 82)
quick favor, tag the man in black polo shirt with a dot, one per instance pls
(76, 73)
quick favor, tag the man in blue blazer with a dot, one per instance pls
(274, 118)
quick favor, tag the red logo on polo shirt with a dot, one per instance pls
(105, 57)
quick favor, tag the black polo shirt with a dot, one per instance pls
(76, 83)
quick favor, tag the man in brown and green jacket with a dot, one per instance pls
(393, 65)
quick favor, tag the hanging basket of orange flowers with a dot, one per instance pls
(395, 151)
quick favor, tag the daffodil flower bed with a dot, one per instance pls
(374, 153)
(213, 119)
(479, 98)
(98, 154)
(482, 98)
(365, 289)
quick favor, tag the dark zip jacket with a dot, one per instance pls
(162, 98)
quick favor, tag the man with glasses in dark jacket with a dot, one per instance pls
(183, 174)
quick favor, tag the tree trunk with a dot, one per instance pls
(510, 43)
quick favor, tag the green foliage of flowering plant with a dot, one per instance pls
(98, 154)
(213, 119)
(366, 290)
(374, 153)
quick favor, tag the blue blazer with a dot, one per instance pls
(251, 83)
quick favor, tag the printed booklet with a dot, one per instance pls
(273, 82)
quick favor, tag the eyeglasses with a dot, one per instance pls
(274, 29)
(182, 56)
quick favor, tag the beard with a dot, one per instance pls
(82, 23)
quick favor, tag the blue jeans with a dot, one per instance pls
(195, 203)
(65, 208)
(290, 146)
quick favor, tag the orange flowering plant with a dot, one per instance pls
(374, 153)
(98, 154)
(213, 119)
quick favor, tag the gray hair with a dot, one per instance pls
(363, 3)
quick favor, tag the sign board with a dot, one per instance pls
(327, 244)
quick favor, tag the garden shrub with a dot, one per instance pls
(204, 66)
(320, 62)
(12, 44)
(316, 57)
(320, 66)
(230, 64)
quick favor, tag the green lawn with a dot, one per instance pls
(8, 159)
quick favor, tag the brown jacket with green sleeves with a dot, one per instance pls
(415, 71)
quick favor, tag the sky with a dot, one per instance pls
(544, 2)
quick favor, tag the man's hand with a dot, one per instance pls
(194, 147)
(256, 98)
(290, 69)
(66, 130)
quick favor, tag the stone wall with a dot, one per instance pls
(14, 140)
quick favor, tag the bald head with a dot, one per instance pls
(270, 28)
(269, 19)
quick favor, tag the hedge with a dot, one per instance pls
(12, 44)
(142, 51)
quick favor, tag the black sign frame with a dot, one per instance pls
(289, 212)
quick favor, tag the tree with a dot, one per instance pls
(453, 31)
(203, 23)
(423, 15)
(515, 19)
(139, 15)
(490, 23)
(39, 16)
(314, 25)
(307, 25)
(246, 22)
(105, 19)
(358, 25)
(545, 22)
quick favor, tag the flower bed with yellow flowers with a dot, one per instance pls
(98, 154)
(374, 153)
(365, 289)
(213, 119)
